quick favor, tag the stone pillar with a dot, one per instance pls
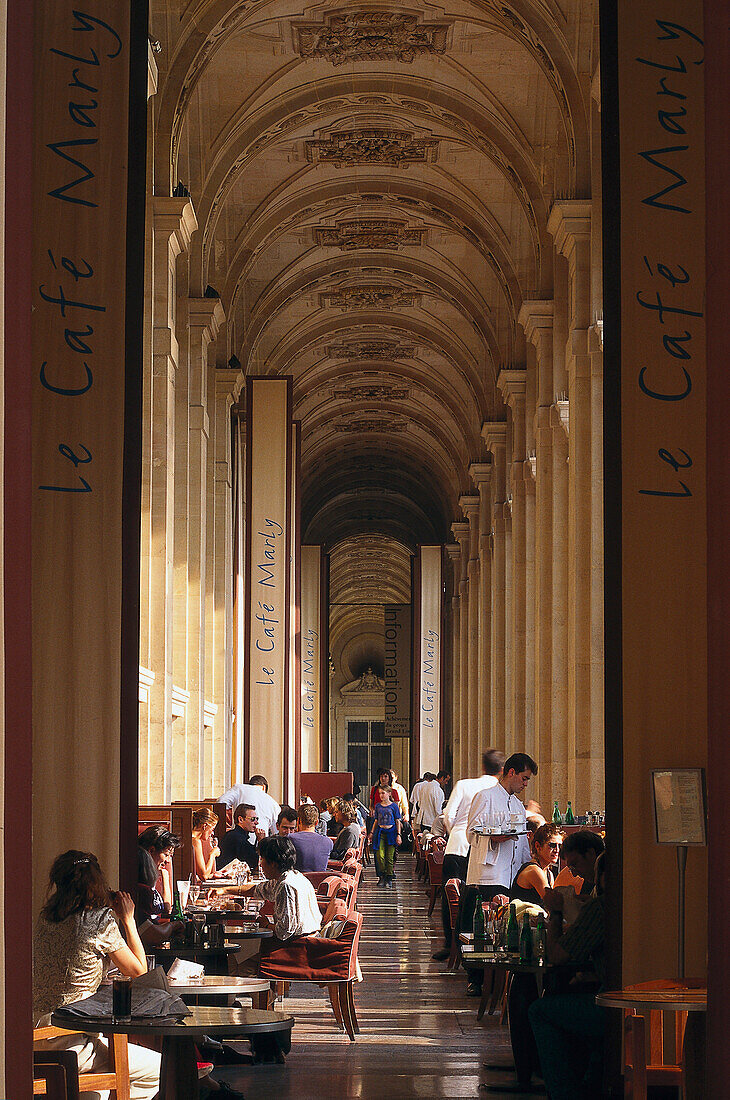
(205, 316)
(481, 474)
(460, 532)
(512, 386)
(536, 318)
(570, 226)
(596, 793)
(495, 437)
(173, 223)
(454, 555)
(528, 477)
(470, 508)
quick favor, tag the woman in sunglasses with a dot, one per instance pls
(537, 876)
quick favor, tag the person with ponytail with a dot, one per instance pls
(77, 938)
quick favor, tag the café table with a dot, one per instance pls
(680, 999)
(214, 959)
(248, 932)
(214, 985)
(179, 1069)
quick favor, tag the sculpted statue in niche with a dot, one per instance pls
(369, 36)
(368, 683)
(395, 148)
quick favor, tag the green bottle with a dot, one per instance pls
(557, 819)
(569, 818)
(540, 938)
(478, 926)
(513, 932)
(177, 909)
(525, 940)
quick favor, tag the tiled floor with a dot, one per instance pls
(419, 1033)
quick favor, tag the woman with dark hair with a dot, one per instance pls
(150, 907)
(161, 845)
(296, 912)
(76, 940)
(537, 876)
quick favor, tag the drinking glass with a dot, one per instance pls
(194, 894)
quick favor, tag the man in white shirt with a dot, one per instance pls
(495, 860)
(255, 793)
(431, 799)
(413, 800)
(456, 816)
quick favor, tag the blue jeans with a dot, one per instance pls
(568, 1030)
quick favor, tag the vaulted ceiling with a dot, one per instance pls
(372, 183)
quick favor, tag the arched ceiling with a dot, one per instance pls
(372, 183)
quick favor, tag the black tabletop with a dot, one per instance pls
(185, 952)
(203, 1020)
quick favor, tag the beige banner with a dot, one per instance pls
(429, 666)
(268, 548)
(311, 628)
(294, 742)
(79, 265)
(663, 456)
(397, 669)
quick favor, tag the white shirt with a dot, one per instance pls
(456, 812)
(495, 864)
(415, 793)
(267, 808)
(296, 912)
(430, 802)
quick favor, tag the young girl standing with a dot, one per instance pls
(385, 835)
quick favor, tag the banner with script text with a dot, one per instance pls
(397, 676)
(268, 578)
(430, 656)
(311, 628)
(661, 126)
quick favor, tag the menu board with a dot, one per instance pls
(679, 806)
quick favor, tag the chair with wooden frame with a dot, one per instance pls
(435, 862)
(115, 1079)
(452, 890)
(640, 1074)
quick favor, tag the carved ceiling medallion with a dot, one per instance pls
(370, 424)
(395, 148)
(369, 233)
(374, 392)
(369, 36)
(369, 297)
(383, 350)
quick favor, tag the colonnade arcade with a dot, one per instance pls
(396, 209)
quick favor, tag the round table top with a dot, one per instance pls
(213, 983)
(248, 932)
(203, 1020)
(186, 952)
(667, 1000)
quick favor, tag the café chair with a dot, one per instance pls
(116, 1079)
(452, 890)
(435, 862)
(352, 855)
(639, 1074)
(322, 961)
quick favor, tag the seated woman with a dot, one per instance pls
(76, 939)
(205, 845)
(160, 843)
(296, 912)
(537, 876)
(349, 834)
(150, 915)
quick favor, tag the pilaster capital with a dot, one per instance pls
(453, 553)
(569, 224)
(512, 385)
(174, 218)
(460, 531)
(481, 474)
(494, 434)
(536, 319)
(152, 73)
(206, 314)
(560, 415)
(469, 505)
(228, 382)
(595, 336)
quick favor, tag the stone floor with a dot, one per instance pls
(419, 1033)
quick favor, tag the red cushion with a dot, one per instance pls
(313, 958)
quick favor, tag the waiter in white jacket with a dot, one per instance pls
(495, 860)
(456, 816)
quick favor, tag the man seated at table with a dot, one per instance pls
(569, 1027)
(286, 822)
(241, 842)
(311, 848)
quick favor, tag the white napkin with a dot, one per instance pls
(183, 889)
(185, 970)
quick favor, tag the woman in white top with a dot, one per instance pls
(76, 940)
(296, 912)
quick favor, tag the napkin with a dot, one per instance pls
(184, 970)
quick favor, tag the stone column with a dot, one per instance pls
(528, 477)
(470, 508)
(596, 794)
(205, 316)
(454, 555)
(570, 226)
(559, 417)
(173, 223)
(512, 386)
(495, 437)
(460, 532)
(536, 318)
(481, 474)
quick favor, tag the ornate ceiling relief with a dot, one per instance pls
(395, 148)
(375, 392)
(370, 424)
(371, 349)
(368, 233)
(369, 297)
(369, 36)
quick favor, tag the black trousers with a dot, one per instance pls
(454, 867)
(522, 992)
(466, 918)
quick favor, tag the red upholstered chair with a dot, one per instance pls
(352, 855)
(452, 889)
(326, 962)
(435, 861)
